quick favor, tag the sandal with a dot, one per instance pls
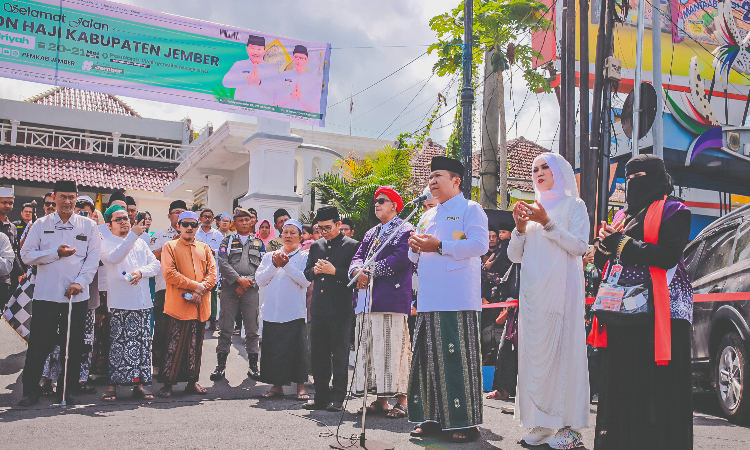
(141, 394)
(398, 411)
(499, 395)
(47, 390)
(272, 394)
(302, 396)
(375, 408)
(195, 389)
(426, 429)
(463, 435)
(110, 395)
(165, 393)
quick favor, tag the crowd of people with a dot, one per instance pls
(114, 299)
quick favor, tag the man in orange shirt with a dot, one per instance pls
(190, 272)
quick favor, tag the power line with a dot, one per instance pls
(407, 105)
(379, 81)
(386, 101)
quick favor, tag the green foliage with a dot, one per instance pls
(352, 188)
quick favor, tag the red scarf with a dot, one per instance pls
(662, 310)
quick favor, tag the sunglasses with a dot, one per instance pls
(190, 224)
(49, 204)
(380, 201)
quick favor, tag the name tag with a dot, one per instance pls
(81, 237)
(452, 218)
(49, 231)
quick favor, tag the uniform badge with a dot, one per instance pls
(153, 240)
(257, 242)
(223, 250)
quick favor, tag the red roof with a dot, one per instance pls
(86, 173)
(521, 154)
(420, 163)
(83, 100)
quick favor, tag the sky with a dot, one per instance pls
(394, 32)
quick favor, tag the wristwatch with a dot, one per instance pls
(440, 248)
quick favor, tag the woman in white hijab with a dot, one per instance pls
(549, 240)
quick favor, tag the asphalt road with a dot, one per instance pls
(231, 415)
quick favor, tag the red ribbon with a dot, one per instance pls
(662, 313)
(507, 304)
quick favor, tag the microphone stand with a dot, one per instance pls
(367, 444)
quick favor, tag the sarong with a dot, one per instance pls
(184, 346)
(283, 358)
(53, 365)
(445, 383)
(130, 350)
(386, 344)
(100, 354)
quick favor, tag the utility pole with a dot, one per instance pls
(638, 76)
(467, 98)
(488, 173)
(604, 141)
(563, 100)
(590, 155)
(658, 130)
(570, 82)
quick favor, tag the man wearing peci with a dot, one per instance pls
(302, 89)
(447, 246)
(253, 79)
(65, 248)
(331, 310)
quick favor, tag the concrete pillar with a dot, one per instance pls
(218, 195)
(14, 132)
(271, 170)
(116, 143)
(307, 174)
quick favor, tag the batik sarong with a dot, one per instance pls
(386, 343)
(130, 348)
(53, 365)
(100, 354)
(445, 383)
(184, 346)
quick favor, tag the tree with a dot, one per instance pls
(500, 32)
(352, 188)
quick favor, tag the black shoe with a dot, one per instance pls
(221, 366)
(28, 401)
(311, 405)
(253, 371)
(335, 406)
(83, 389)
(69, 401)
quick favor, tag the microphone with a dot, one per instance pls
(420, 199)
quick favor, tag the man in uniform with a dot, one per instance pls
(65, 248)
(279, 219)
(302, 89)
(447, 246)
(331, 310)
(211, 237)
(239, 258)
(158, 240)
(253, 79)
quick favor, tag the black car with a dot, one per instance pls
(718, 260)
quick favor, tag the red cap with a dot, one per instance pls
(391, 194)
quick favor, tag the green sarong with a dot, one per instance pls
(445, 383)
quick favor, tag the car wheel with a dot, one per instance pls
(731, 375)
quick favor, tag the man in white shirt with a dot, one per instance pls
(211, 237)
(158, 240)
(302, 89)
(447, 246)
(129, 264)
(254, 80)
(65, 248)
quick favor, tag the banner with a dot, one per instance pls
(119, 49)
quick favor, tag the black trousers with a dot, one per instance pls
(47, 317)
(329, 354)
(159, 342)
(506, 368)
(4, 295)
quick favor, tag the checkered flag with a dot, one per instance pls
(18, 312)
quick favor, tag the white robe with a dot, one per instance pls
(553, 385)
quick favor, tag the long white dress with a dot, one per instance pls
(553, 386)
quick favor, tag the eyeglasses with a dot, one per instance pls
(50, 204)
(325, 229)
(189, 224)
(380, 201)
(120, 220)
(207, 217)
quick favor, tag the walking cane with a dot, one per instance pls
(63, 403)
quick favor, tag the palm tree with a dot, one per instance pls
(352, 188)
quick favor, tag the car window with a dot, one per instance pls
(690, 253)
(742, 249)
(716, 253)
